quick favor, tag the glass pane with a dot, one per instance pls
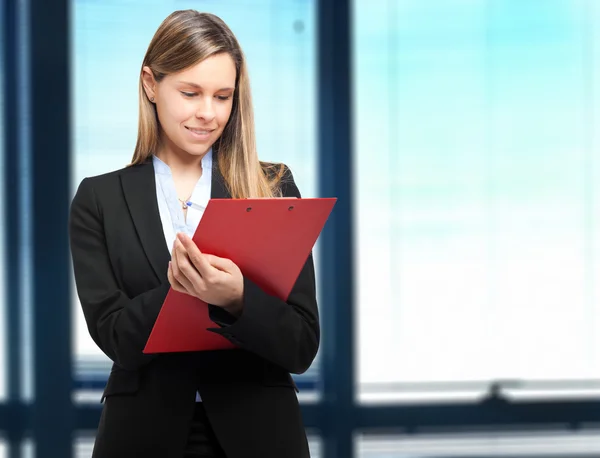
(84, 445)
(110, 39)
(553, 444)
(314, 445)
(478, 202)
(28, 448)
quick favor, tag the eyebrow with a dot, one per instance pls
(187, 83)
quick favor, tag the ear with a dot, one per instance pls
(149, 83)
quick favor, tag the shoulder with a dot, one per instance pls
(96, 188)
(110, 178)
(283, 177)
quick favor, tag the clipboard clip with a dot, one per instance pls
(290, 208)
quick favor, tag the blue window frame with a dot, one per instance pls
(37, 181)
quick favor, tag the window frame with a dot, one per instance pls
(336, 416)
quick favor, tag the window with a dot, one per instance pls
(109, 42)
(83, 446)
(481, 445)
(476, 195)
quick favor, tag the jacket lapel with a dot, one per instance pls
(218, 189)
(139, 188)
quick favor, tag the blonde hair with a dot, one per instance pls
(182, 40)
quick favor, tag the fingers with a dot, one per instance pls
(204, 262)
(173, 281)
(182, 269)
(213, 279)
(196, 257)
(223, 264)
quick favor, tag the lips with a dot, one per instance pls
(199, 131)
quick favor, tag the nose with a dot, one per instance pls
(206, 110)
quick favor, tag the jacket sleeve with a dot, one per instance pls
(120, 325)
(286, 333)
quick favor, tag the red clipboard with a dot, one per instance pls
(268, 239)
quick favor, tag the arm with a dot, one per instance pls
(119, 325)
(286, 333)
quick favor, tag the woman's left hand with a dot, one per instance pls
(214, 280)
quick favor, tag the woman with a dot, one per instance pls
(130, 240)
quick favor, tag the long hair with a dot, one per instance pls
(184, 39)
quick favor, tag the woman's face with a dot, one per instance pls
(194, 105)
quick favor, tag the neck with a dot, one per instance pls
(181, 163)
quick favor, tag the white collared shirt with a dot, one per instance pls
(170, 207)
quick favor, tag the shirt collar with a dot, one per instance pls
(163, 169)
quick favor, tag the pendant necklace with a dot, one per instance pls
(185, 203)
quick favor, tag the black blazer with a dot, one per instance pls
(120, 259)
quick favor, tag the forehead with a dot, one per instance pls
(217, 70)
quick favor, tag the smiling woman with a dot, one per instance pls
(130, 242)
(192, 88)
(183, 105)
(109, 42)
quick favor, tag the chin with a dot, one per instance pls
(196, 149)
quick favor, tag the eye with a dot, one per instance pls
(188, 94)
(223, 98)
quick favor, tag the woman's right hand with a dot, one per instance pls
(214, 280)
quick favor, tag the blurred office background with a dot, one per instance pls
(458, 274)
